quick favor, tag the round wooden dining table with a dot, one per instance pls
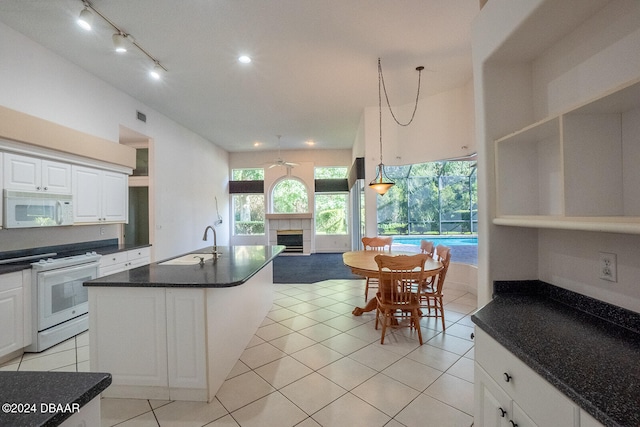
(363, 263)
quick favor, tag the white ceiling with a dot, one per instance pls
(314, 65)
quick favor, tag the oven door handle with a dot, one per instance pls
(70, 269)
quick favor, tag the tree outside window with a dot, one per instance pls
(331, 209)
(290, 196)
(248, 214)
(430, 198)
(248, 209)
(331, 213)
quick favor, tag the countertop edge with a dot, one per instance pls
(159, 283)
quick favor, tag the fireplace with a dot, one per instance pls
(291, 239)
(281, 224)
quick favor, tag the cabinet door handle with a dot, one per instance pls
(513, 424)
(507, 377)
(472, 335)
(503, 413)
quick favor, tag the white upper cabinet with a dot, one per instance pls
(575, 170)
(25, 173)
(99, 195)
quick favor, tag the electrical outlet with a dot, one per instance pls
(102, 231)
(608, 267)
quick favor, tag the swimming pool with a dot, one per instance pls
(437, 240)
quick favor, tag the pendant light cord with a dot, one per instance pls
(386, 95)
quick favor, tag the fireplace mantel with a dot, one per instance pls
(306, 215)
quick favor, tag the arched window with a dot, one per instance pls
(290, 196)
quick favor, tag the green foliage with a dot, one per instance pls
(436, 197)
(248, 214)
(256, 174)
(331, 213)
(330, 172)
(290, 196)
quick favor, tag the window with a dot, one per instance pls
(430, 198)
(330, 172)
(248, 214)
(331, 204)
(256, 174)
(247, 201)
(290, 196)
(331, 213)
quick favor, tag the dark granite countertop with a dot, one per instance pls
(103, 247)
(37, 388)
(236, 265)
(587, 349)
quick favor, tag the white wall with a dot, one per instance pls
(443, 128)
(190, 170)
(533, 59)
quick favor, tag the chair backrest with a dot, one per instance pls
(442, 254)
(426, 247)
(377, 243)
(397, 275)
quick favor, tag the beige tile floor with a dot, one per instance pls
(312, 363)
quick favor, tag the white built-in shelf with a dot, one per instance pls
(577, 170)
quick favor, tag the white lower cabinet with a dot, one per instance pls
(15, 311)
(508, 393)
(164, 355)
(125, 260)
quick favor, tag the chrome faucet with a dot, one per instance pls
(215, 252)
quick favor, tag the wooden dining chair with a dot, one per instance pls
(431, 292)
(380, 244)
(398, 305)
(426, 247)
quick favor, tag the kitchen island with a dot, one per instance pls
(174, 329)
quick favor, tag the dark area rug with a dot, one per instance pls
(310, 269)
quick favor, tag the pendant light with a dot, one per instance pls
(381, 183)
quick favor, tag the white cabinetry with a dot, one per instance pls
(15, 311)
(169, 340)
(125, 260)
(28, 173)
(575, 170)
(99, 195)
(509, 393)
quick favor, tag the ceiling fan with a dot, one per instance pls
(280, 161)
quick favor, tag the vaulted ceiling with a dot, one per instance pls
(314, 67)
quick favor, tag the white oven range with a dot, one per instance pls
(60, 301)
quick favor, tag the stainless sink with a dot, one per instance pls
(189, 259)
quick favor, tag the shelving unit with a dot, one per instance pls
(578, 170)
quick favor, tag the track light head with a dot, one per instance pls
(119, 42)
(156, 72)
(85, 19)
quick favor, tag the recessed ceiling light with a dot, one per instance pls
(244, 59)
(310, 143)
(257, 144)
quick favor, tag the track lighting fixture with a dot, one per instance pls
(121, 40)
(156, 72)
(85, 19)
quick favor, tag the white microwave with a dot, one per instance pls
(24, 209)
